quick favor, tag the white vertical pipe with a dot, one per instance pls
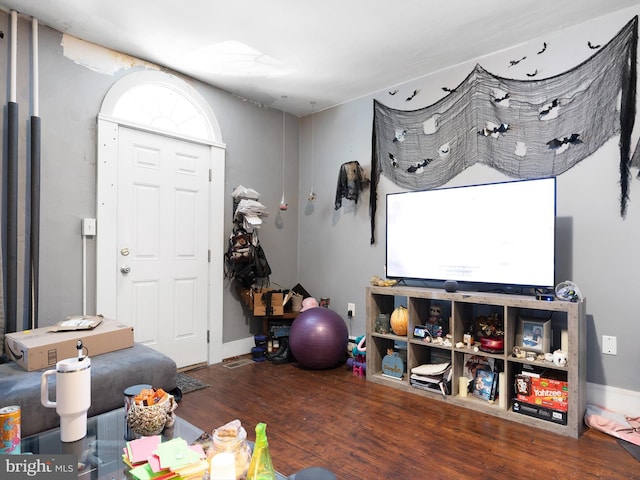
(36, 85)
(84, 275)
(14, 54)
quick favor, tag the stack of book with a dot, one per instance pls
(151, 459)
(432, 377)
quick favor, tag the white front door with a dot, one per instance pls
(162, 242)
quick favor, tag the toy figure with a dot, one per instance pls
(434, 324)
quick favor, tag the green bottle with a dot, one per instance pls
(261, 467)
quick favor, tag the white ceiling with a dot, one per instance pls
(316, 54)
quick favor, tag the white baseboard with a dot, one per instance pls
(238, 347)
(622, 401)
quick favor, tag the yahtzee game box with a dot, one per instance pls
(542, 392)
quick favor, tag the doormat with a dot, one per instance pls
(238, 363)
(189, 384)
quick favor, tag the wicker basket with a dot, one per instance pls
(151, 420)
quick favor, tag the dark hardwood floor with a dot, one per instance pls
(360, 430)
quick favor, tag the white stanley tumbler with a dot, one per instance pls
(73, 395)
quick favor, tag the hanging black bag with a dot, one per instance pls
(262, 268)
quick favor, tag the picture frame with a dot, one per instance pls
(484, 384)
(534, 335)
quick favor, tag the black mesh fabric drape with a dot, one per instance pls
(523, 128)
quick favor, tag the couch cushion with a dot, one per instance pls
(111, 374)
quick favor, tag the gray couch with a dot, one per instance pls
(111, 374)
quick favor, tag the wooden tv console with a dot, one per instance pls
(461, 308)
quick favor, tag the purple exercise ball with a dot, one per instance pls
(318, 338)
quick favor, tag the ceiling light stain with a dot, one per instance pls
(234, 58)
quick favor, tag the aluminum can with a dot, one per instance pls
(10, 429)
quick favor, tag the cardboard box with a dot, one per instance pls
(536, 411)
(43, 348)
(542, 392)
(246, 294)
(260, 308)
(253, 300)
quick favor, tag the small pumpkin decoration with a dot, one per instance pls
(399, 320)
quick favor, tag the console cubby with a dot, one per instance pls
(460, 314)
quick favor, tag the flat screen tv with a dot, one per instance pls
(498, 234)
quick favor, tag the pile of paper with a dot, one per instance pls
(245, 192)
(151, 459)
(249, 210)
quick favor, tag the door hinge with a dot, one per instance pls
(210, 174)
(209, 256)
(208, 336)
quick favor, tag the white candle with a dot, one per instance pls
(223, 467)
(502, 390)
(463, 386)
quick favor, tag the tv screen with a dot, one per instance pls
(498, 233)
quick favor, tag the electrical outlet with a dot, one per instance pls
(351, 307)
(609, 345)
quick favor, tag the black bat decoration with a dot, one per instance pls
(448, 90)
(410, 97)
(546, 111)
(1, 34)
(559, 142)
(393, 93)
(394, 162)
(415, 168)
(498, 100)
(544, 47)
(515, 62)
(533, 74)
(490, 131)
(592, 46)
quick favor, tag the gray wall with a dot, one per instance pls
(70, 99)
(327, 251)
(596, 245)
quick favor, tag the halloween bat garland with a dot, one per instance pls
(536, 145)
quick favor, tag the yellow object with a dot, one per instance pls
(399, 320)
(261, 467)
(381, 282)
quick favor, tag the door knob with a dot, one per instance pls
(125, 269)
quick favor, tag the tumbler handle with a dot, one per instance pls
(44, 390)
